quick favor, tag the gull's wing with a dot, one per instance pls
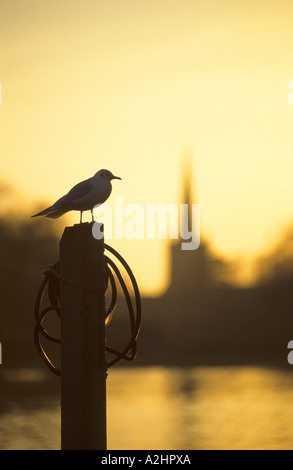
(79, 190)
(63, 204)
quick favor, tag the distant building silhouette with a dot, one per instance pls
(202, 318)
(189, 268)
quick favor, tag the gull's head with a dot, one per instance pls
(107, 175)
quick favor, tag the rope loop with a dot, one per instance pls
(113, 274)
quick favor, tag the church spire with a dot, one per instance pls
(188, 189)
(188, 267)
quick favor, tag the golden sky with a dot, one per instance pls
(131, 86)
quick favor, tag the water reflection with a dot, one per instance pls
(172, 408)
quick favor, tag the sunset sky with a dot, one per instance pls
(134, 87)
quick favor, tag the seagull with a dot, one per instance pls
(83, 196)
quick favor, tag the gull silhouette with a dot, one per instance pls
(83, 196)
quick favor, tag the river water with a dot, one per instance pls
(157, 408)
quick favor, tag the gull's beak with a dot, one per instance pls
(116, 178)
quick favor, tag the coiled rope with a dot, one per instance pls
(112, 273)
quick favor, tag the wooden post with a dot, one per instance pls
(83, 363)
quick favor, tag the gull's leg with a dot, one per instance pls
(92, 215)
(81, 217)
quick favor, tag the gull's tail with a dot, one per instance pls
(56, 213)
(52, 212)
(44, 212)
(56, 210)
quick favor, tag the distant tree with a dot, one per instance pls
(27, 246)
(276, 266)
